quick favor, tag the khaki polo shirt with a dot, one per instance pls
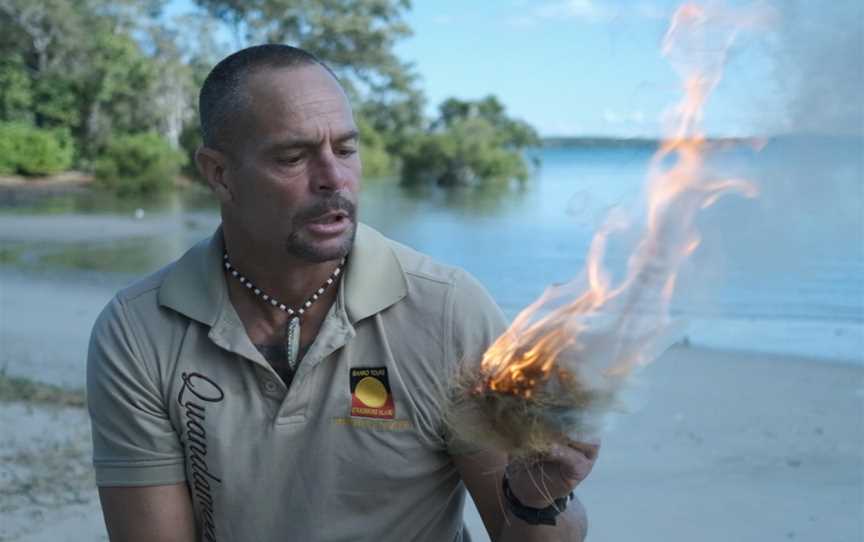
(354, 450)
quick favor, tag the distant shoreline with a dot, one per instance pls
(18, 190)
(64, 179)
(552, 142)
(633, 142)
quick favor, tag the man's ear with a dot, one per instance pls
(212, 165)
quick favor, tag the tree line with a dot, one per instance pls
(107, 86)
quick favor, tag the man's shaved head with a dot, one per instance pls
(223, 95)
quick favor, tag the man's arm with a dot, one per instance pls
(137, 454)
(148, 514)
(482, 474)
(477, 322)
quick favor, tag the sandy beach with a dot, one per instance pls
(735, 447)
(719, 446)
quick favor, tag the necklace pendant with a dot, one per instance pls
(292, 330)
(292, 341)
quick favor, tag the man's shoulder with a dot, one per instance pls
(146, 287)
(427, 276)
(137, 307)
(419, 266)
(143, 295)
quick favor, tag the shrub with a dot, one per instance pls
(468, 152)
(16, 94)
(32, 151)
(190, 139)
(471, 143)
(8, 159)
(376, 161)
(138, 164)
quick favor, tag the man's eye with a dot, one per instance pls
(290, 160)
(347, 151)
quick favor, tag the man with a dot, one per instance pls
(284, 379)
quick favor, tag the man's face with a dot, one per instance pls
(294, 170)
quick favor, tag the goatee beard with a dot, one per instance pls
(305, 249)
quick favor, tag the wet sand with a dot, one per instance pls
(723, 446)
(46, 481)
(734, 446)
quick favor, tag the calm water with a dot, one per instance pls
(782, 273)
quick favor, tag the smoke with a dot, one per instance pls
(804, 235)
(819, 54)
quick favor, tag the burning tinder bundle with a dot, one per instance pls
(559, 368)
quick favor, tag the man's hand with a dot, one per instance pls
(538, 481)
(555, 473)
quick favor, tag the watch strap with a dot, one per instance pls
(534, 516)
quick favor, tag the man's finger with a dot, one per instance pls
(590, 449)
(574, 462)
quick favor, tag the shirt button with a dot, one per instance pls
(270, 386)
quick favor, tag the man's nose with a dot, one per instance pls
(330, 174)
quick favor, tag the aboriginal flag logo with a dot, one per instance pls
(370, 393)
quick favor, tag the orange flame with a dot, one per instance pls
(614, 328)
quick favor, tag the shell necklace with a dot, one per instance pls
(292, 334)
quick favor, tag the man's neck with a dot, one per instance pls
(287, 278)
(290, 281)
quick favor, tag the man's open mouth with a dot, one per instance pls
(332, 217)
(332, 223)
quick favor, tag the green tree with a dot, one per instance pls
(510, 133)
(471, 142)
(377, 162)
(86, 70)
(16, 93)
(40, 40)
(115, 91)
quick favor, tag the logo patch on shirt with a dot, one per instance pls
(370, 393)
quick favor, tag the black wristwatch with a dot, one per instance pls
(534, 516)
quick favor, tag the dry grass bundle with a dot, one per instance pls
(561, 408)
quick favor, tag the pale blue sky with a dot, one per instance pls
(582, 67)
(575, 67)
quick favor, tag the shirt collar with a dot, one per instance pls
(374, 279)
(195, 285)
